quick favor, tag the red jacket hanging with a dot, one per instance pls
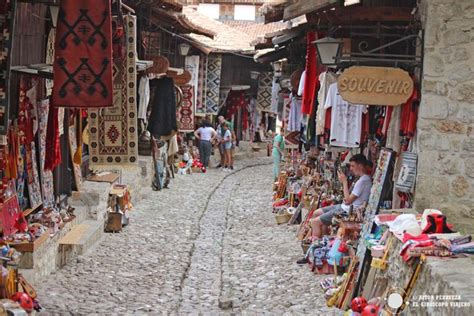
(311, 77)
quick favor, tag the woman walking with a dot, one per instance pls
(206, 136)
(227, 144)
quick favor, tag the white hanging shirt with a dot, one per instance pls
(294, 117)
(301, 86)
(346, 119)
(326, 79)
(275, 98)
(144, 93)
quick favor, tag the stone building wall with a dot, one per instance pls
(446, 138)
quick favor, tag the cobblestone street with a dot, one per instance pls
(208, 244)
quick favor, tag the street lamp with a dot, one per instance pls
(254, 75)
(184, 49)
(329, 50)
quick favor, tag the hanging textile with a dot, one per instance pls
(50, 58)
(201, 89)
(286, 112)
(25, 129)
(47, 185)
(409, 115)
(264, 95)
(83, 55)
(113, 130)
(144, 98)
(302, 83)
(191, 64)
(346, 119)
(53, 150)
(186, 111)
(235, 101)
(163, 108)
(213, 83)
(294, 118)
(275, 95)
(393, 130)
(326, 79)
(7, 15)
(311, 77)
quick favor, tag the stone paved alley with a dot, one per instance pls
(208, 242)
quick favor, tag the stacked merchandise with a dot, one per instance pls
(351, 192)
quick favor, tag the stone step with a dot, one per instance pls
(81, 238)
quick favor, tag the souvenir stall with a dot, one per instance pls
(354, 105)
(43, 152)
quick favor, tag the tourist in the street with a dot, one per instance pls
(227, 146)
(277, 153)
(206, 136)
(221, 132)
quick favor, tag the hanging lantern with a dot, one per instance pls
(254, 75)
(329, 50)
(184, 49)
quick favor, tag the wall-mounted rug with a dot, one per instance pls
(83, 54)
(113, 131)
(201, 88)
(214, 67)
(185, 111)
(264, 96)
(47, 184)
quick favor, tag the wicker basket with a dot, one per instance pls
(283, 219)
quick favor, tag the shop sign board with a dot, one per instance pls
(375, 85)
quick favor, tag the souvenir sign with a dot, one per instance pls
(375, 85)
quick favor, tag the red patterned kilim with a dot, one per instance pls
(83, 55)
(186, 111)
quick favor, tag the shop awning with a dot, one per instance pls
(265, 56)
(302, 7)
(285, 10)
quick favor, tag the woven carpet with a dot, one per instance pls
(6, 16)
(83, 55)
(264, 97)
(113, 131)
(191, 64)
(214, 67)
(185, 112)
(47, 185)
(201, 88)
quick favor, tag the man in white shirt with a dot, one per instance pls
(357, 197)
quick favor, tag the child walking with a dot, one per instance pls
(227, 143)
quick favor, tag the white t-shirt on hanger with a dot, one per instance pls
(301, 85)
(346, 119)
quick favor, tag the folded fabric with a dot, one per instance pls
(464, 248)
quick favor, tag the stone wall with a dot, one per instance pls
(446, 119)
